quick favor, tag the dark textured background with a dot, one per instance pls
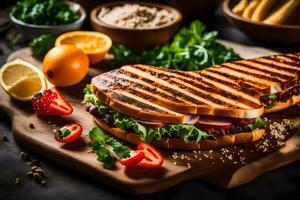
(283, 183)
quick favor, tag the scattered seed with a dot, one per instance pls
(34, 168)
(40, 172)
(30, 174)
(31, 125)
(37, 177)
(43, 183)
(35, 162)
(19, 181)
(24, 156)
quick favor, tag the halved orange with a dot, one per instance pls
(94, 44)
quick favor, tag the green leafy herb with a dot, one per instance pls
(270, 106)
(107, 148)
(42, 44)
(44, 12)
(64, 132)
(272, 96)
(184, 131)
(190, 49)
(259, 122)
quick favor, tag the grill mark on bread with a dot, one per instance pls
(268, 78)
(139, 104)
(151, 95)
(228, 88)
(280, 63)
(263, 68)
(242, 88)
(274, 65)
(294, 57)
(146, 101)
(175, 93)
(170, 87)
(227, 97)
(144, 87)
(213, 84)
(206, 87)
(254, 84)
(186, 86)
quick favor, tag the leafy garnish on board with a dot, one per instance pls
(63, 133)
(191, 49)
(107, 148)
(184, 131)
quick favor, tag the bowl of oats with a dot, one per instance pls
(136, 24)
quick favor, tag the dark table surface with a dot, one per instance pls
(63, 183)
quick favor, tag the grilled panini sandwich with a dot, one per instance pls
(212, 108)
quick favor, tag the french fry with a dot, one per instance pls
(250, 9)
(283, 13)
(239, 8)
(262, 9)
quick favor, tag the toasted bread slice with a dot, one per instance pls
(153, 94)
(177, 143)
(230, 89)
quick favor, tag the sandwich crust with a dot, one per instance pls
(177, 143)
(283, 105)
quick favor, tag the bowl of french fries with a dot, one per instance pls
(274, 21)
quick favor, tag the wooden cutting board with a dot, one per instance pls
(227, 167)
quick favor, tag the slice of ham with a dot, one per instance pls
(151, 124)
(191, 119)
(207, 123)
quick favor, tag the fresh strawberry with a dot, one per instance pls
(50, 103)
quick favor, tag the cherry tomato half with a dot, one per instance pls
(69, 133)
(153, 158)
(135, 157)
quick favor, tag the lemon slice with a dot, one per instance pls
(21, 80)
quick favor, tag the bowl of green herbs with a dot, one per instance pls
(36, 17)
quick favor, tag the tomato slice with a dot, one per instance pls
(69, 133)
(153, 158)
(135, 158)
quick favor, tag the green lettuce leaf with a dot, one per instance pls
(259, 122)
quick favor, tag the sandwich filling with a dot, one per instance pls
(197, 128)
(270, 101)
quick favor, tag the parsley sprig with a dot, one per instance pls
(63, 133)
(107, 148)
